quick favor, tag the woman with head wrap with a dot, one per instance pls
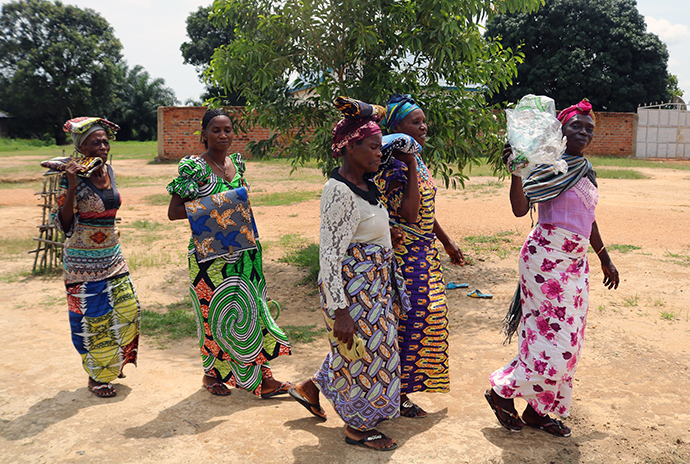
(238, 337)
(103, 307)
(362, 293)
(549, 309)
(409, 194)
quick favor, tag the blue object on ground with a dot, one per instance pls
(452, 285)
(478, 294)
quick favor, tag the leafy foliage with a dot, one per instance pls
(56, 60)
(205, 37)
(137, 98)
(290, 59)
(585, 48)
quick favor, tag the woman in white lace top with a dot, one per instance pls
(362, 292)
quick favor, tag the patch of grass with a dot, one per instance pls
(668, 315)
(619, 174)
(601, 308)
(623, 248)
(16, 246)
(34, 185)
(134, 150)
(147, 225)
(598, 161)
(10, 145)
(21, 172)
(158, 199)
(142, 181)
(49, 272)
(283, 198)
(291, 242)
(302, 333)
(15, 277)
(175, 324)
(631, 301)
(499, 243)
(482, 169)
(305, 257)
(47, 149)
(151, 258)
(680, 258)
(485, 188)
(659, 302)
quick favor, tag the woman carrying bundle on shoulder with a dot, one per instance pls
(549, 310)
(104, 311)
(409, 193)
(362, 293)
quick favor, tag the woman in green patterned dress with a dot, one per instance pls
(237, 335)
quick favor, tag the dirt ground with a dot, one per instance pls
(629, 401)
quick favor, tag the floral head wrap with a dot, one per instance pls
(584, 107)
(397, 108)
(360, 121)
(80, 128)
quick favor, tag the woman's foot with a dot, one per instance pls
(100, 389)
(409, 409)
(271, 387)
(369, 439)
(546, 423)
(505, 411)
(214, 386)
(307, 394)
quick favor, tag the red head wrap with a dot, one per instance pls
(584, 107)
(352, 130)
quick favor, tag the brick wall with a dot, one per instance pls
(614, 135)
(176, 127)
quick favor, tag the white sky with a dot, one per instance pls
(151, 32)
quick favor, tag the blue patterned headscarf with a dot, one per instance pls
(397, 107)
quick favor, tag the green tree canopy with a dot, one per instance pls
(55, 59)
(368, 50)
(137, 98)
(205, 37)
(597, 49)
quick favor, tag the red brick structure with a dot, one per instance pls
(176, 132)
(614, 136)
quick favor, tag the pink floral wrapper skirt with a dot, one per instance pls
(554, 291)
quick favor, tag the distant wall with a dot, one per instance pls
(614, 135)
(176, 127)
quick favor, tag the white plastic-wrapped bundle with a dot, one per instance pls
(535, 135)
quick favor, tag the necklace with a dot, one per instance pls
(225, 174)
(423, 171)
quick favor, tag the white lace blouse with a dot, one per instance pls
(345, 218)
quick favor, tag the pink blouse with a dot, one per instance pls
(573, 209)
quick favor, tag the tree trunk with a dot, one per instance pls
(60, 136)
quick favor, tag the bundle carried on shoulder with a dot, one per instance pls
(222, 224)
(535, 135)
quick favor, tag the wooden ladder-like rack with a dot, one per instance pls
(50, 240)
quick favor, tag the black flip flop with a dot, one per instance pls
(304, 402)
(546, 427)
(498, 410)
(411, 410)
(363, 442)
